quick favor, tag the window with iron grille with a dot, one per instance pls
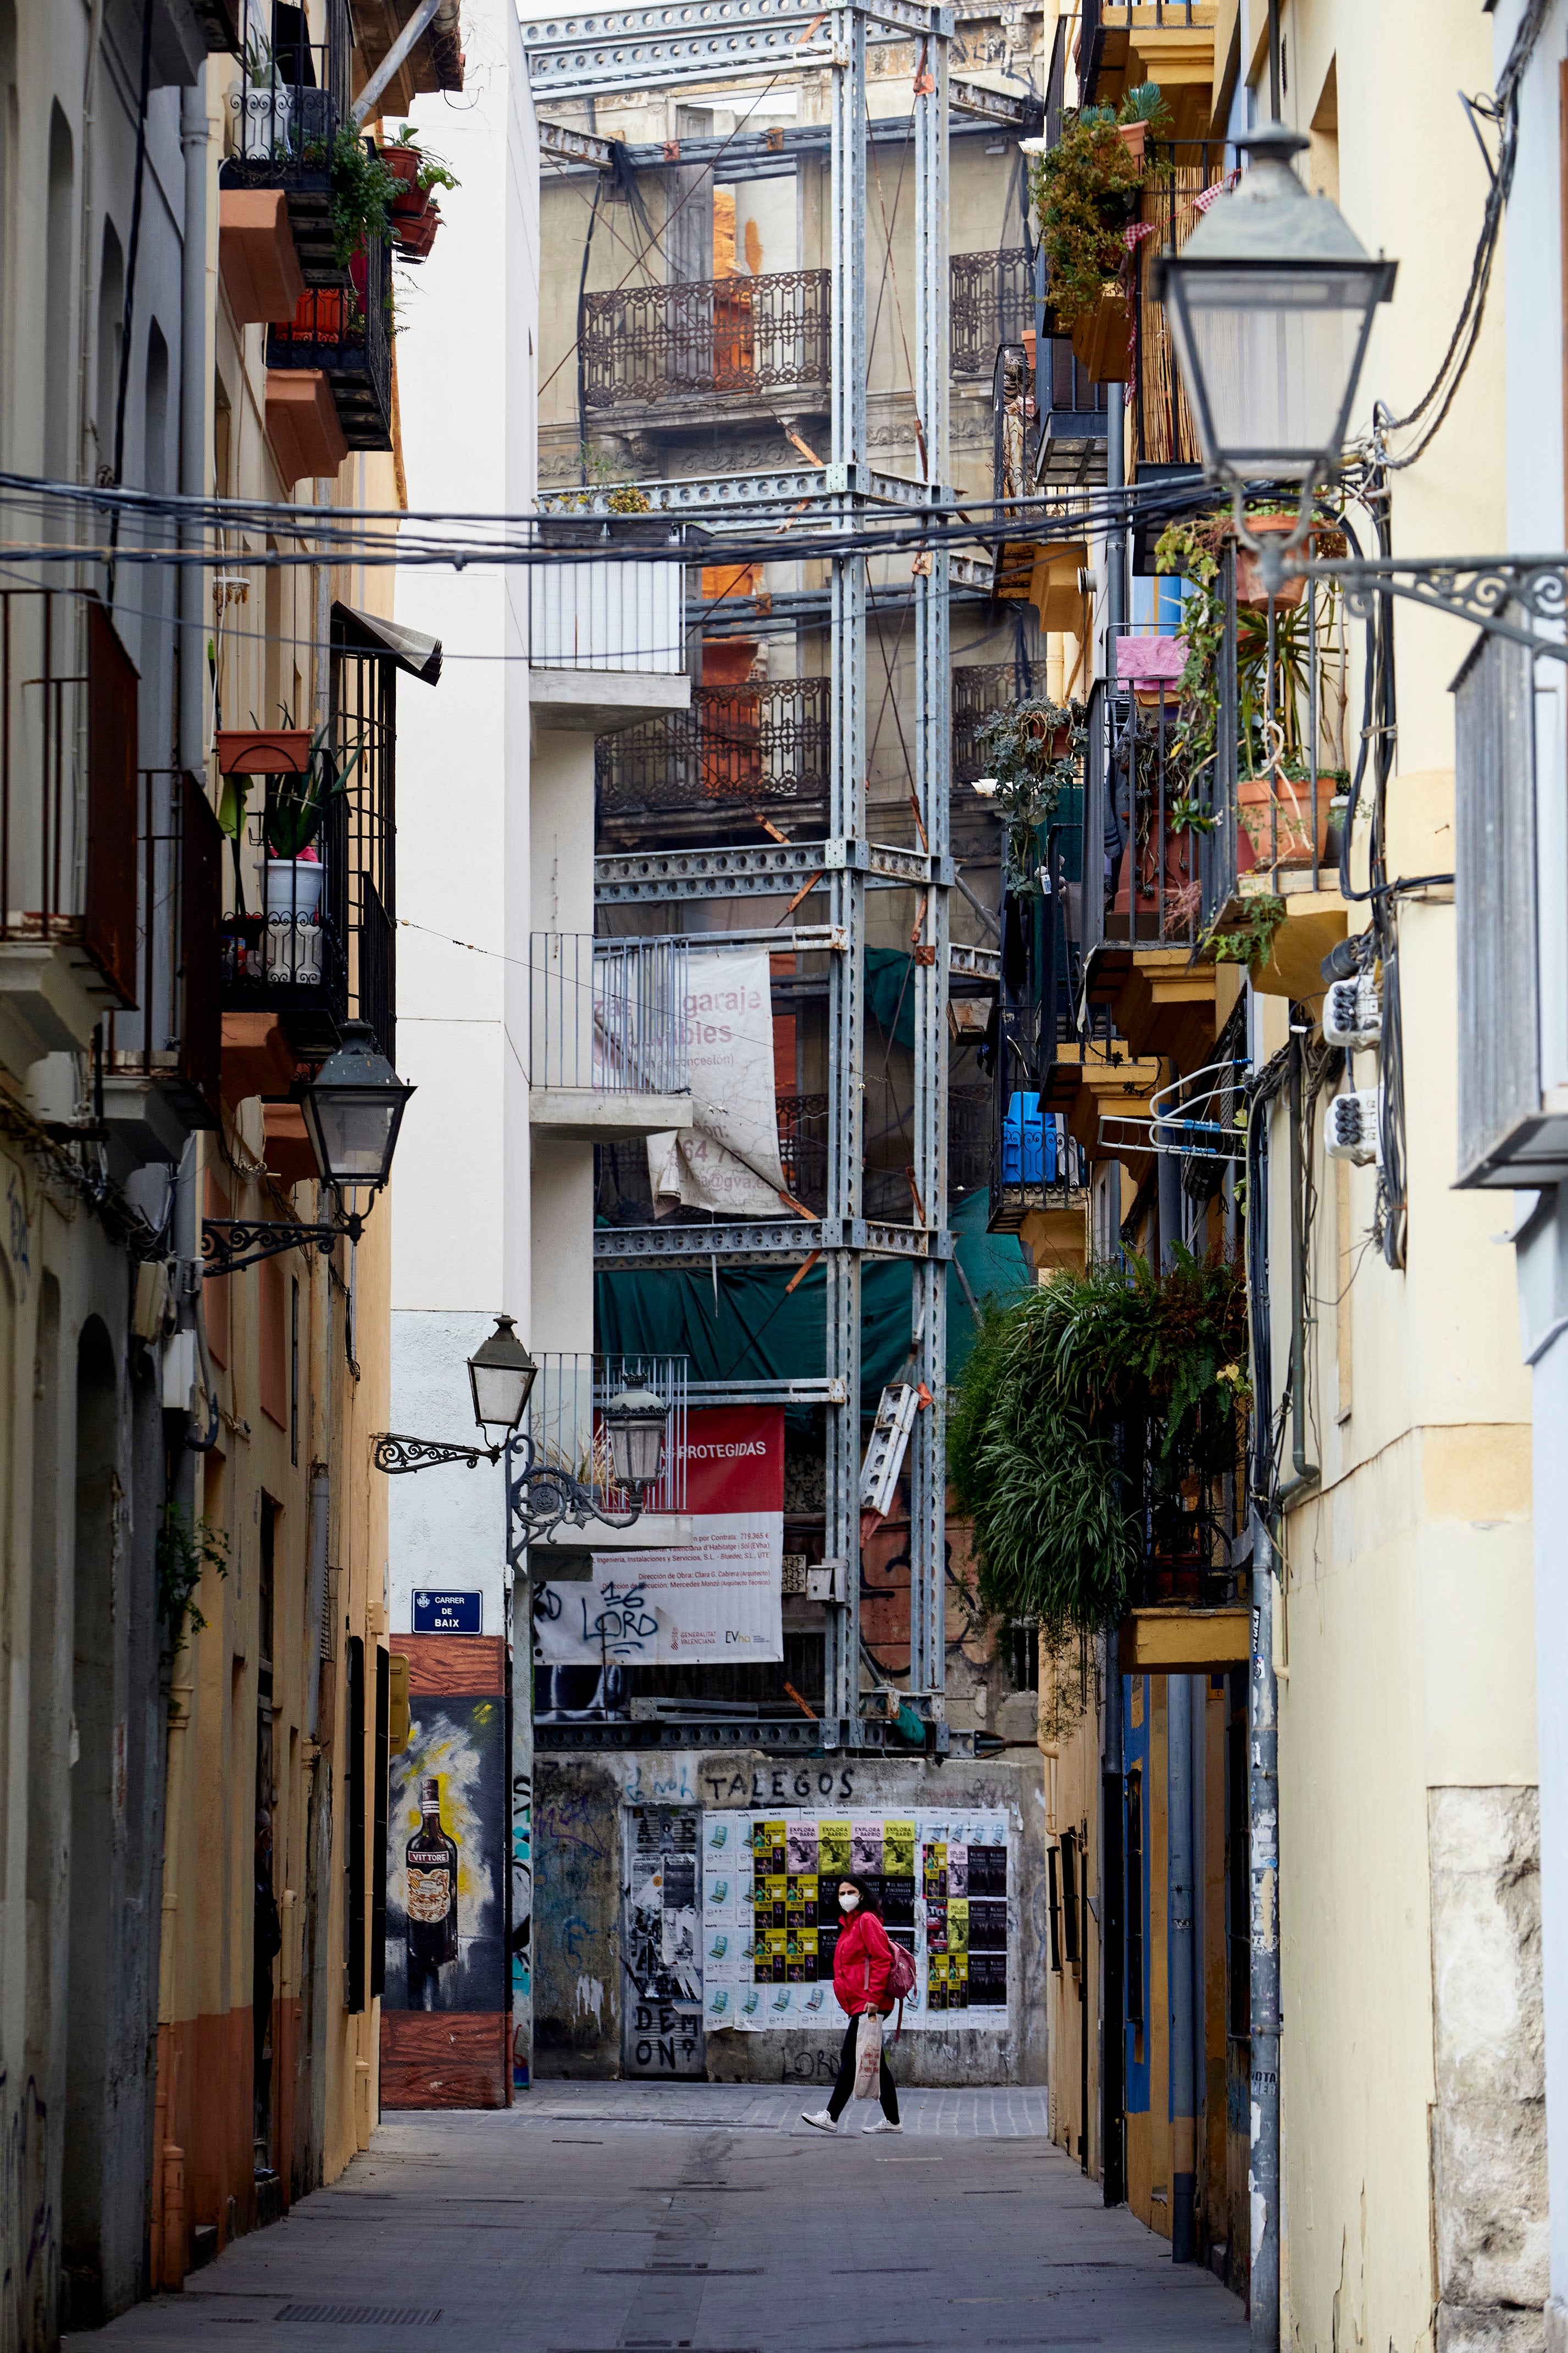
(1070, 1891)
(1056, 1910)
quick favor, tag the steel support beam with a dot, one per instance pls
(934, 765)
(774, 154)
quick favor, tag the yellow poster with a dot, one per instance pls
(899, 1849)
(958, 1924)
(831, 1850)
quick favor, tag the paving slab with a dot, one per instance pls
(642, 2218)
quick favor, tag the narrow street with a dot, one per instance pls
(605, 2215)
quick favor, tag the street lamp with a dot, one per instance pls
(501, 1374)
(1270, 304)
(352, 1111)
(542, 1493)
(353, 1108)
(636, 1421)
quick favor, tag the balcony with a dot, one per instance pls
(1071, 407)
(649, 351)
(709, 773)
(341, 336)
(991, 302)
(1043, 572)
(607, 1031)
(69, 824)
(312, 943)
(1124, 42)
(1187, 1598)
(291, 96)
(161, 1057)
(565, 1422)
(606, 642)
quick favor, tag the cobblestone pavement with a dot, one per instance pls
(600, 2218)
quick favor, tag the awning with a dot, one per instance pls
(367, 633)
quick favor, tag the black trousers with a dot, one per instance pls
(845, 2083)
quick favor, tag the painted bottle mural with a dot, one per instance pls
(432, 1863)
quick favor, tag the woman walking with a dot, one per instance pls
(861, 1959)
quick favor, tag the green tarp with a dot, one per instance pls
(743, 1326)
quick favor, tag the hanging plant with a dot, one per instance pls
(184, 1549)
(1084, 192)
(1037, 1445)
(363, 193)
(1034, 748)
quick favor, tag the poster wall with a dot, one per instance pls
(443, 2038)
(715, 1600)
(661, 1943)
(771, 1918)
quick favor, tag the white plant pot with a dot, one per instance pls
(294, 888)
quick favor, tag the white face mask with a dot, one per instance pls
(848, 1903)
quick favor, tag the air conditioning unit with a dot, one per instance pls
(1352, 1012)
(1352, 1126)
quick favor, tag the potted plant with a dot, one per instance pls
(1086, 190)
(1034, 746)
(415, 214)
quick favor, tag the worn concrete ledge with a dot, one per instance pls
(601, 701)
(582, 1115)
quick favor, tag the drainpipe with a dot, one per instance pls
(1183, 2135)
(1116, 533)
(1112, 1941)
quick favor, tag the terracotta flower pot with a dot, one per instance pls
(1155, 895)
(263, 751)
(416, 233)
(1250, 588)
(1134, 137)
(403, 163)
(1277, 825)
(1102, 342)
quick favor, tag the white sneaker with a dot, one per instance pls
(822, 2120)
(880, 2124)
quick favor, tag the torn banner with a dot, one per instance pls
(716, 1598)
(729, 1158)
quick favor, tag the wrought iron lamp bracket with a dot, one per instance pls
(231, 1244)
(395, 1453)
(1480, 589)
(542, 1497)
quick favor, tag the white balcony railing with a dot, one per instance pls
(619, 617)
(607, 1017)
(565, 1422)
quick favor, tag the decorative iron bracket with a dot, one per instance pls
(394, 1453)
(542, 1497)
(1467, 589)
(231, 1244)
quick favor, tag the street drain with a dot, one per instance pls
(360, 2316)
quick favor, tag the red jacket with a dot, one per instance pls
(861, 1959)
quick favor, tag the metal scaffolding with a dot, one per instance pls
(710, 41)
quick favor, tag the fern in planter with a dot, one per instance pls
(1060, 1395)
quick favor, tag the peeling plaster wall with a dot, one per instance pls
(578, 1976)
(1488, 2117)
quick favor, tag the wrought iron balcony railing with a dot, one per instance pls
(641, 346)
(315, 940)
(1188, 1516)
(1144, 865)
(607, 1017)
(565, 1420)
(346, 331)
(737, 751)
(992, 302)
(292, 97)
(68, 800)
